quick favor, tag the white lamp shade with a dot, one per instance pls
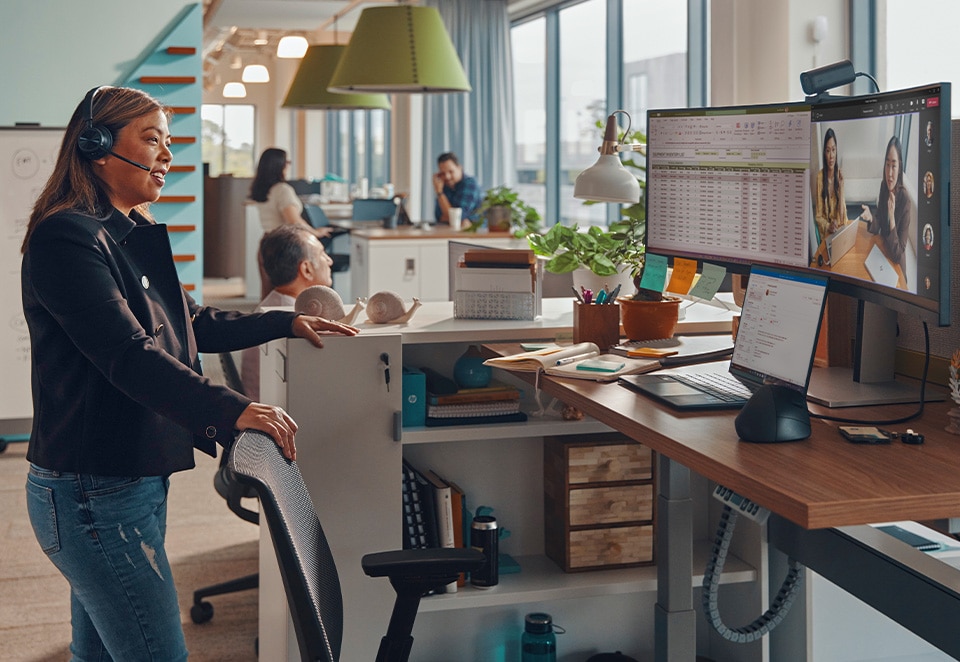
(255, 73)
(292, 46)
(607, 181)
(234, 90)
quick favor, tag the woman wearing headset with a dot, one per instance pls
(119, 402)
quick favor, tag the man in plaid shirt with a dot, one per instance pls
(454, 189)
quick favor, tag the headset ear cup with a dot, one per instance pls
(95, 142)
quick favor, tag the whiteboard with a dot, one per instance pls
(27, 156)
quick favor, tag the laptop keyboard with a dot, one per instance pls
(724, 386)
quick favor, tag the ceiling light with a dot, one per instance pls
(292, 46)
(255, 73)
(400, 48)
(261, 39)
(234, 90)
(309, 86)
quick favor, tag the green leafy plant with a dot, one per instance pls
(524, 219)
(601, 251)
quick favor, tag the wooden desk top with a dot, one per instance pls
(854, 262)
(824, 481)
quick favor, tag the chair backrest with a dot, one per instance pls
(376, 209)
(309, 573)
(315, 216)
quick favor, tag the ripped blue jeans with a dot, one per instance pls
(105, 534)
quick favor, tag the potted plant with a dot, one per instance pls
(505, 211)
(645, 314)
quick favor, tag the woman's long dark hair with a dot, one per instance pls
(827, 184)
(269, 172)
(895, 143)
(74, 184)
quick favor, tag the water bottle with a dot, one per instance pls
(538, 642)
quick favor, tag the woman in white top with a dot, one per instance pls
(277, 201)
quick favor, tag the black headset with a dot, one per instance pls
(95, 140)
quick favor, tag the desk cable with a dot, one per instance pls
(711, 586)
(902, 419)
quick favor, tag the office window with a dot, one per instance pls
(528, 44)
(227, 139)
(575, 62)
(358, 146)
(919, 41)
(583, 102)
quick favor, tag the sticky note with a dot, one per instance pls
(683, 272)
(654, 272)
(709, 282)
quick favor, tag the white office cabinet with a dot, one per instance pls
(409, 268)
(352, 466)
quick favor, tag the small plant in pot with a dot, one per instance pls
(505, 211)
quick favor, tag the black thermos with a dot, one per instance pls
(484, 536)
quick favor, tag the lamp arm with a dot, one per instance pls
(611, 144)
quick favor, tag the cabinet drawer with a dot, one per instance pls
(618, 546)
(610, 505)
(607, 463)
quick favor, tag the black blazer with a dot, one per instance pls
(116, 380)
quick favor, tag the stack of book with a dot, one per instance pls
(498, 284)
(433, 513)
(496, 403)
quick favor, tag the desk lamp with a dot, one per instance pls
(607, 180)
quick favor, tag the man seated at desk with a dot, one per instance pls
(294, 259)
(454, 189)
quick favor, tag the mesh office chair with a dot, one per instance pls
(309, 573)
(233, 492)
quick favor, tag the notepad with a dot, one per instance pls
(566, 361)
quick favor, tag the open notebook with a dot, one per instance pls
(581, 361)
(776, 340)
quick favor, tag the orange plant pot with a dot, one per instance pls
(649, 320)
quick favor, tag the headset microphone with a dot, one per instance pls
(125, 159)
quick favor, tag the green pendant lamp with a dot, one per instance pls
(400, 48)
(309, 87)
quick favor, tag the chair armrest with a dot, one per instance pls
(437, 562)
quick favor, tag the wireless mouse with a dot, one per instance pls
(774, 413)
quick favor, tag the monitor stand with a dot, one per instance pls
(872, 379)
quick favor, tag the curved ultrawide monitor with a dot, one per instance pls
(812, 186)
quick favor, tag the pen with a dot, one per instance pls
(601, 296)
(571, 359)
(576, 294)
(613, 295)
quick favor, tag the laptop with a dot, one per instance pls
(880, 269)
(841, 241)
(776, 342)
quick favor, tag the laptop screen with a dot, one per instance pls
(779, 323)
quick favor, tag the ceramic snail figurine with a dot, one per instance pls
(323, 301)
(387, 308)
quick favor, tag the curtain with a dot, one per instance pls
(476, 126)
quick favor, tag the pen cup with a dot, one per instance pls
(596, 323)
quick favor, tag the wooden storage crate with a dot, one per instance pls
(598, 503)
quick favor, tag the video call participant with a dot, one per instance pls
(118, 399)
(294, 259)
(454, 189)
(830, 213)
(891, 217)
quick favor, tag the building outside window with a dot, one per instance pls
(571, 45)
(227, 139)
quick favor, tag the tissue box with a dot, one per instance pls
(414, 410)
